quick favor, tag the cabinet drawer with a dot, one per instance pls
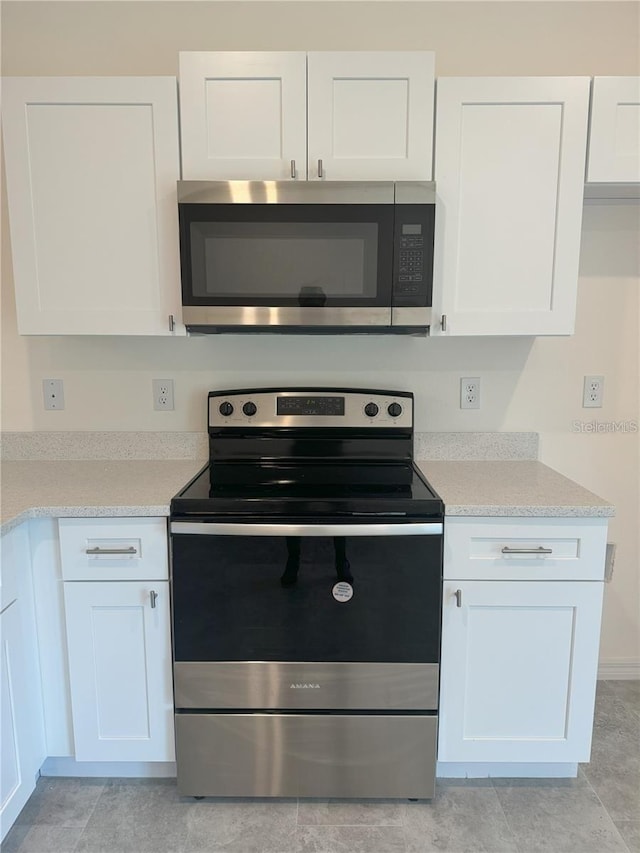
(113, 549)
(525, 548)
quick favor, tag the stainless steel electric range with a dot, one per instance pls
(306, 591)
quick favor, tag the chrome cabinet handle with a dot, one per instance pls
(111, 551)
(293, 169)
(153, 595)
(320, 171)
(172, 323)
(538, 550)
(443, 323)
(430, 528)
(458, 598)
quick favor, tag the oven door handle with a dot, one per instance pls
(200, 528)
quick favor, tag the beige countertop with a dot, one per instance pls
(91, 488)
(513, 488)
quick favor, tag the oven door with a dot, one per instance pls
(322, 256)
(306, 616)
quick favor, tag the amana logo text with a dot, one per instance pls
(304, 687)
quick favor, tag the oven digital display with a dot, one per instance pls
(329, 406)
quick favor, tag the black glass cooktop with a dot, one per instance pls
(290, 490)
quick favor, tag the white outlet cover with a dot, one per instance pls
(470, 392)
(593, 392)
(163, 395)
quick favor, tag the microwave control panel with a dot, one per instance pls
(413, 261)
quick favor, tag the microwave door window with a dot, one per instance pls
(297, 263)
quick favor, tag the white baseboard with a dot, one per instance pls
(619, 668)
(502, 770)
(66, 766)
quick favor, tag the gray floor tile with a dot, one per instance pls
(137, 816)
(349, 813)
(62, 802)
(41, 839)
(557, 816)
(242, 826)
(630, 832)
(603, 688)
(464, 817)
(614, 769)
(628, 691)
(351, 839)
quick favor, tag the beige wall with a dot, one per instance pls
(527, 384)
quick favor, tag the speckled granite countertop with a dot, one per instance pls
(513, 488)
(91, 488)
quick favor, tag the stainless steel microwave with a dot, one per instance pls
(306, 257)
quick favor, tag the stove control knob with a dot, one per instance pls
(394, 409)
(249, 409)
(225, 409)
(371, 410)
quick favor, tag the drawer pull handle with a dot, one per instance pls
(94, 552)
(538, 550)
(153, 595)
(458, 598)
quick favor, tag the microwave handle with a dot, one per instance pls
(429, 528)
(320, 170)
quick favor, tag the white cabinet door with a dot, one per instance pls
(243, 115)
(120, 670)
(12, 786)
(614, 130)
(22, 744)
(92, 165)
(509, 171)
(519, 666)
(371, 115)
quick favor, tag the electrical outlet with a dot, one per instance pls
(470, 392)
(592, 392)
(53, 392)
(163, 395)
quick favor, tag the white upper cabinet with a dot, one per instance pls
(243, 115)
(371, 116)
(614, 133)
(509, 172)
(360, 115)
(92, 165)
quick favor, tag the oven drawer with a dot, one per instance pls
(525, 548)
(105, 549)
(306, 755)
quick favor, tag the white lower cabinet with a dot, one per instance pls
(120, 670)
(519, 663)
(22, 746)
(118, 634)
(520, 650)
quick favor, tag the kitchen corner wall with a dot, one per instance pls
(531, 384)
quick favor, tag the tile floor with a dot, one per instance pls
(599, 811)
